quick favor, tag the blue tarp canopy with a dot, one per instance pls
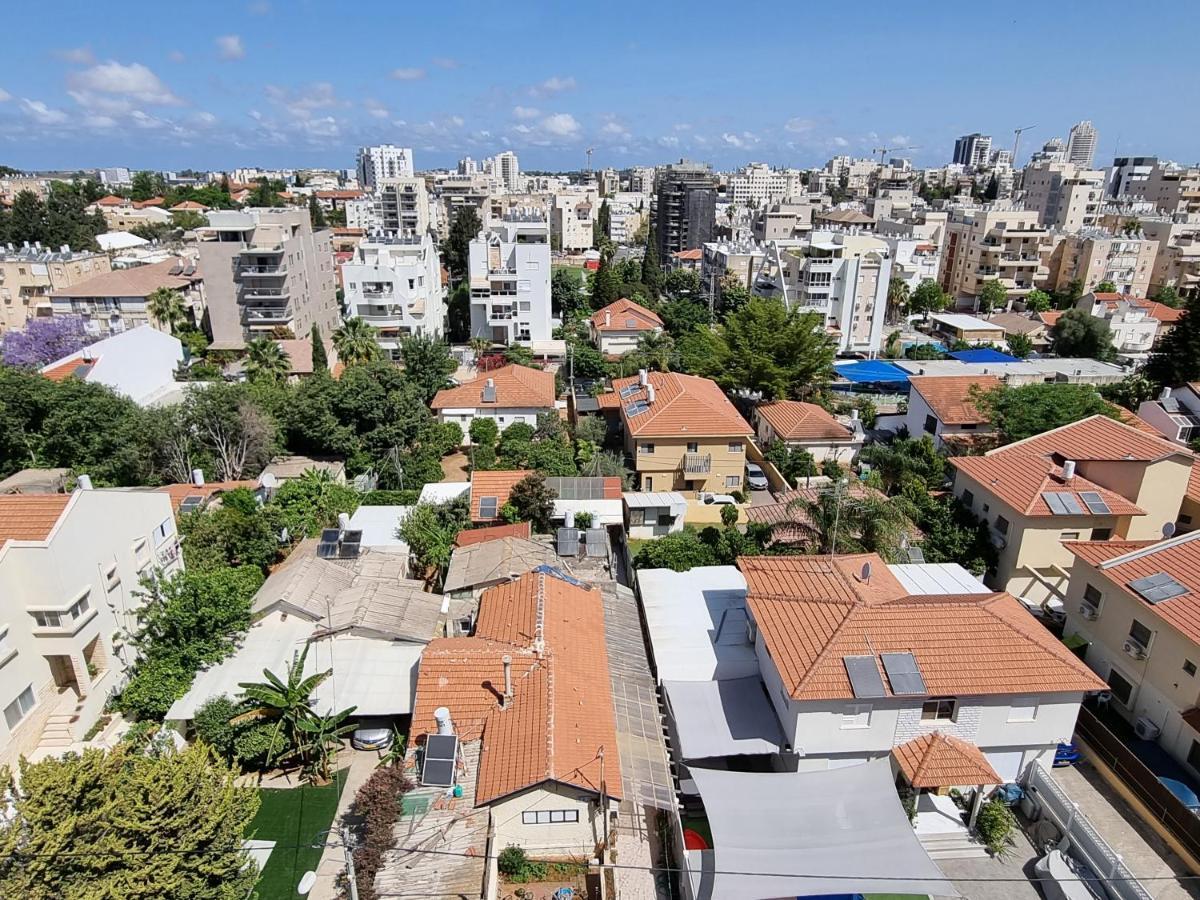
(866, 371)
(983, 355)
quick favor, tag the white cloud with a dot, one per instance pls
(522, 129)
(741, 141)
(840, 142)
(4, 95)
(799, 126)
(80, 56)
(561, 125)
(134, 82)
(41, 113)
(526, 112)
(176, 56)
(899, 140)
(445, 62)
(668, 140)
(408, 74)
(229, 46)
(376, 109)
(302, 101)
(259, 8)
(553, 85)
(457, 121)
(614, 129)
(682, 126)
(99, 123)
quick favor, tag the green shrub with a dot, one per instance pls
(995, 825)
(254, 745)
(583, 519)
(517, 867)
(212, 724)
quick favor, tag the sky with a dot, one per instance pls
(299, 83)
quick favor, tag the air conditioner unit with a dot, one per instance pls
(1146, 729)
(1134, 649)
(1088, 611)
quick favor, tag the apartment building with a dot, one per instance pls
(739, 260)
(1136, 323)
(1128, 170)
(913, 260)
(972, 150)
(841, 275)
(29, 275)
(626, 213)
(785, 220)
(117, 300)
(506, 395)
(1177, 261)
(1173, 189)
(398, 206)
(266, 270)
(377, 165)
(394, 283)
(70, 570)
(759, 185)
(509, 272)
(571, 217)
(1081, 144)
(1174, 413)
(1097, 479)
(680, 432)
(127, 218)
(685, 207)
(1094, 256)
(616, 328)
(506, 167)
(1000, 242)
(1067, 197)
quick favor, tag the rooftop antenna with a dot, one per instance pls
(1017, 141)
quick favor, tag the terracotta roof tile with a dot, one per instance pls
(796, 421)
(179, 492)
(516, 386)
(1020, 479)
(950, 396)
(1193, 488)
(694, 254)
(188, 205)
(111, 200)
(470, 536)
(140, 281)
(625, 315)
(1135, 421)
(1050, 317)
(684, 406)
(1099, 437)
(30, 517)
(498, 484)
(938, 760)
(73, 367)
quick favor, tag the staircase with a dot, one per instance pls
(952, 845)
(57, 731)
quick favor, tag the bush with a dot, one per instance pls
(516, 866)
(995, 825)
(583, 519)
(738, 496)
(680, 551)
(212, 724)
(729, 515)
(254, 745)
(155, 685)
(378, 805)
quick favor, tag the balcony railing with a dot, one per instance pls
(696, 463)
(262, 271)
(266, 315)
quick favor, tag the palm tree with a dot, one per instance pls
(266, 359)
(654, 350)
(321, 737)
(286, 703)
(479, 345)
(854, 520)
(166, 308)
(355, 342)
(897, 299)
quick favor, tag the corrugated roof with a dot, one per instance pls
(938, 760)
(684, 406)
(796, 421)
(30, 517)
(516, 386)
(481, 565)
(950, 396)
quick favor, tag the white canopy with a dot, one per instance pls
(723, 718)
(378, 525)
(789, 834)
(928, 579)
(672, 500)
(443, 491)
(376, 677)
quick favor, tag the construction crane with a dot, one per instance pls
(1017, 141)
(884, 151)
(588, 151)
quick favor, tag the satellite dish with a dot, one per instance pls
(866, 571)
(1168, 529)
(306, 883)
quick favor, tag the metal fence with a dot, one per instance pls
(1086, 842)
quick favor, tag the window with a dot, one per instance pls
(931, 424)
(1069, 536)
(1140, 633)
(939, 710)
(637, 517)
(47, 619)
(79, 608)
(1002, 524)
(735, 447)
(112, 579)
(968, 499)
(693, 447)
(1023, 709)
(1188, 666)
(549, 816)
(645, 448)
(732, 481)
(1120, 687)
(857, 715)
(19, 708)
(1091, 595)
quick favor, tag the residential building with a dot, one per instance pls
(1174, 190)
(680, 432)
(845, 219)
(1054, 150)
(972, 150)
(394, 283)
(509, 272)
(29, 275)
(616, 328)
(1175, 413)
(641, 179)
(608, 181)
(118, 176)
(1031, 327)
(913, 260)
(1134, 321)
(784, 220)
(945, 407)
(477, 567)
(1000, 242)
(1127, 171)
(1081, 144)
(506, 395)
(266, 270)
(71, 568)
(738, 260)
(398, 206)
(841, 276)
(377, 165)
(808, 427)
(1066, 197)
(1177, 262)
(456, 192)
(1096, 256)
(960, 327)
(139, 363)
(296, 466)
(507, 168)
(758, 185)
(653, 514)
(571, 218)
(626, 214)
(125, 217)
(116, 300)
(685, 207)
(1095, 479)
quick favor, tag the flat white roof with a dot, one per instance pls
(443, 491)
(671, 500)
(965, 322)
(733, 717)
(697, 623)
(378, 525)
(929, 579)
(377, 678)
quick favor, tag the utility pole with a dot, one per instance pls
(1017, 142)
(348, 848)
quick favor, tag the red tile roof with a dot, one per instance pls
(1193, 488)
(951, 396)
(498, 484)
(179, 492)
(811, 615)
(693, 254)
(30, 517)
(1153, 308)
(188, 205)
(75, 366)
(1098, 437)
(625, 315)
(684, 406)
(796, 421)
(516, 387)
(560, 717)
(143, 204)
(469, 536)
(1050, 317)
(937, 760)
(1020, 479)
(111, 200)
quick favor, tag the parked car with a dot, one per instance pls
(1066, 755)
(712, 499)
(1051, 610)
(372, 735)
(756, 477)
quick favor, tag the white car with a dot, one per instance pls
(756, 478)
(1051, 610)
(711, 499)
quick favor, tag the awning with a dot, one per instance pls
(376, 677)
(723, 718)
(871, 371)
(983, 355)
(795, 834)
(672, 500)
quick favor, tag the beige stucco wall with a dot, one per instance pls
(662, 470)
(565, 839)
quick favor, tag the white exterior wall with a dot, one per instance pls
(521, 313)
(618, 343)
(553, 840)
(377, 164)
(503, 417)
(841, 451)
(918, 410)
(409, 273)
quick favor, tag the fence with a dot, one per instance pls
(1086, 843)
(1165, 808)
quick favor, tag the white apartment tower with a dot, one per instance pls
(377, 165)
(394, 284)
(506, 167)
(757, 183)
(1081, 144)
(509, 274)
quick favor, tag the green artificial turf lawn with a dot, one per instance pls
(294, 819)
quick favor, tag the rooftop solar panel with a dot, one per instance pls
(438, 772)
(1054, 500)
(865, 679)
(441, 746)
(629, 390)
(1071, 502)
(903, 673)
(1095, 503)
(1158, 587)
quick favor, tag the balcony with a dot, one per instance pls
(250, 270)
(696, 464)
(262, 250)
(378, 293)
(267, 315)
(249, 293)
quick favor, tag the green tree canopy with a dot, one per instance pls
(320, 358)
(605, 286)
(456, 252)
(1037, 301)
(1019, 345)
(1176, 360)
(1021, 412)
(427, 364)
(430, 530)
(533, 501)
(266, 359)
(679, 552)
(681, 315)
(355, 342)
(1078, 333)
(928, 298)
(992, 296)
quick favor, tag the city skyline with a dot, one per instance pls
(252, 86)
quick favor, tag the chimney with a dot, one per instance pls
(86, 354)
(643, 377)
(507, 698)
(1166, 394)
(607, 319)
(83, 483)
(198, 477)
(1068, 471)
(441, 715)
(650, 393)
(491, 382)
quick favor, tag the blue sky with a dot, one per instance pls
(301, 83)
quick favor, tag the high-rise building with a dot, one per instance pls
(1095, 256)
(467, 166)
(1128, 171)
(685, 207)
(399, 207)
(394, 283)
(509, 274)
(1081, 144)
(376, 165)
(973, 150)
(999, 242)
(506, 167)
(1066, 196)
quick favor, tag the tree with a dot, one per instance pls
(856, 521)
(320, 359)
(734, 294)
(1168, 296)
(1078, 333)
(927, 298)
(992, 296)
(518, 355)
(315, 213)
(1019, 345)
(681, 283)
(604, 219)
(651, 269)
(992, 191)
(265, 194)
(458, 313)
(138, 826)
(484, 431)
(1068, 298)
(430, 530)
(604, 286)
(456, 249)
(427, 363)
(1176, 360)
(762, 347)
(679, 552)
(266, 359)
(534, 501)
(43, 340)
(213, 725)
(897, 298)
(227, 426)
(187, 220)
(355, 342)
(566, 296)
(1106, 287)
(1130, 392)
(230, 535)
(320, 738)
(655, 350)
(166, 308)
(729, 515)
(1037, 301)
(681, 316)
(1021, 412)
(307, 504)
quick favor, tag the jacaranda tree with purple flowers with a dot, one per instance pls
(43, 340)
